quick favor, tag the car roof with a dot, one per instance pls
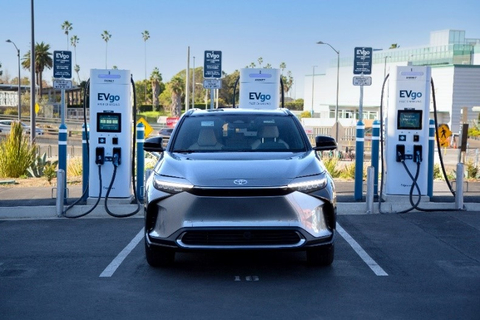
(232, 111)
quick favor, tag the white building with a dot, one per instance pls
(455, 63)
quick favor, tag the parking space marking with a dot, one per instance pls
(113, 266)
(361, 253)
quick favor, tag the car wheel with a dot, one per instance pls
(321, 256)
(158, 256)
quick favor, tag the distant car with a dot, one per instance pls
(239, 179)
(165, 132)
(5, 126)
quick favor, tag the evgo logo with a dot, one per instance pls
(259, 96)
(410, 94)
(108, 97)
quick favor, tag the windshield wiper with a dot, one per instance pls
(183, 151)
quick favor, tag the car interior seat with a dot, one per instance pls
(206, 141)
(269, 139)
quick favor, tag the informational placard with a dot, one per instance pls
(362, 63)
(62, 84)
(62, 64)
(212, 83)
(212, 67)
(362, 81)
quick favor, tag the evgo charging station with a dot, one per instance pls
(110, 133)
(407, 130)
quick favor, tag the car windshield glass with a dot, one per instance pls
(239, 133)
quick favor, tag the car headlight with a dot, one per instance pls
(308, 185)
(170, 186)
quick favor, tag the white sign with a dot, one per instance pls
(62, 84)
(259, 88)
(362, 81)
(212, 83)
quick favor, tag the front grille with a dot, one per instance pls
(240, 192)
(241, 238)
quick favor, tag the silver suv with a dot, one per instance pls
(239, 179)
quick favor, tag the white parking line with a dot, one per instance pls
(113, 266)
(361, 253)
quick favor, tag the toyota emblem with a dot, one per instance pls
(240, 182)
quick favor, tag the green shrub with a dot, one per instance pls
(50, 172)
(437, 173)
(331, 165)
(305, 114)
(16, 155)
(348, 172)
(74, 167)
(11, 112)
(37, 168)
(471, 170)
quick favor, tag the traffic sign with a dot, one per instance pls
(212, 67)
(147, 127)
(62, 84)
(62, 64)
(212, 83)
(362, 81)
(444, 135)
(362, 63)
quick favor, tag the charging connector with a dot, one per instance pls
(117, 155)
(400, 152)
(99, 155)
(417, 153)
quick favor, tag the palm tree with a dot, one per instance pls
(146, 36)
(43, 59)
(66, 27)
(106, 37)
(156, 78)
(260, 61)
(176, 86)
(74, 40)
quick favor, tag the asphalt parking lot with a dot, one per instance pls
(417, 265)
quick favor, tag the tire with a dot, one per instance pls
(321, 255)
(158, 256)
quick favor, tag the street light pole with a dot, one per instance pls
(19, 87)
(338, 76)
(385, 67)
(32, 76)
(313, 89)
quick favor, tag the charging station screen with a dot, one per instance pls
(409, 119)
(109, 122)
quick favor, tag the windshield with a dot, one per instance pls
(239, 133)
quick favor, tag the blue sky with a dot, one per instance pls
(244, 30)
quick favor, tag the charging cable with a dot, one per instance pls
(116, 163)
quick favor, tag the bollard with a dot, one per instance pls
(375, 153)
(60, 192)
(459, 187)
(62, 152)
(370, 188)
(85, 163)
(140, 161)
(431, 156)
(358, 192)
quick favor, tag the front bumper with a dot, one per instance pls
(187, 221)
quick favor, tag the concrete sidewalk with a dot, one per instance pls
(40, 202)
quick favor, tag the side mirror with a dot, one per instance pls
(323, 143)
(153, 144)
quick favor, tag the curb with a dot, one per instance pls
(343, 208)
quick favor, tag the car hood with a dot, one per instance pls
(253, 168)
